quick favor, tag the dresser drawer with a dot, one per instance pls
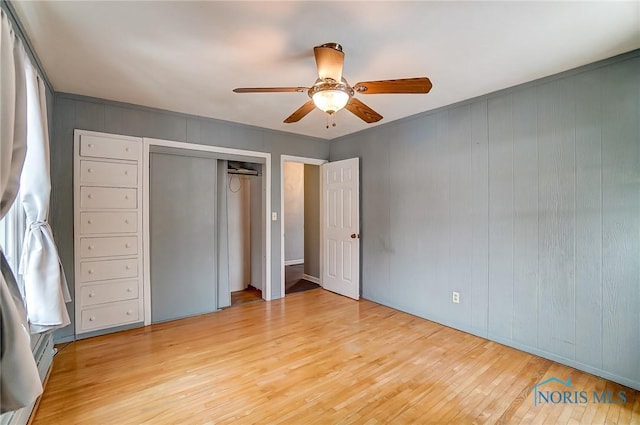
(108, 197)
(108, 292)
(104, 147)
(108, 174)
(106, 247)
(110, 269)
(112, 315)
(108, 222)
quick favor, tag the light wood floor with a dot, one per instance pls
(249, 295)
(312, 358)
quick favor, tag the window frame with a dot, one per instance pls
(12, 230)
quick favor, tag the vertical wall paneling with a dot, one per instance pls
(376, 247)
(435, 190)
(620, 224)
(441, 215)
(525, 217)
(61, 209)
(145, 123)
(407, 211)
(193, 130)
(213, 133)
(91, 117)
(556, 144)
(589, 218)
(460, 213)
(480, 210)
(551, 242)
(500, 123)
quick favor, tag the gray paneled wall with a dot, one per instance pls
(74, 112)
(527, 202)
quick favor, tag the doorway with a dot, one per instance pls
(300, 210)
(213, 294)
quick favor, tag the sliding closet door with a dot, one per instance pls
(182, 234)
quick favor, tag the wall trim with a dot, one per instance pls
(313, 279)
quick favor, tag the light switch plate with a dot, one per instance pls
(274, 216)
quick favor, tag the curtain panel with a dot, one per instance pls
(45, 286)
(19, 379)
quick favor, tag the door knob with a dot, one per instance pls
(355, 236)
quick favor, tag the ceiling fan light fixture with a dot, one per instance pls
(330, 101)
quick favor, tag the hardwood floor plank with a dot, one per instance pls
(311, 358)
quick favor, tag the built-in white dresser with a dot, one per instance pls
(107, 231)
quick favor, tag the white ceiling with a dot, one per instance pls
(188, 56)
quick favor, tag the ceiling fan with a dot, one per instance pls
(331, 92)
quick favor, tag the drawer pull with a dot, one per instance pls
(126, 149)
(89, 222)
(129, 312)
(126, 197)
(127, 245)
(89, 170)
(90, 271)
(126, 173)
(90, 196)
(91, 295)
(92, 318)
(129, 289)
(126, 221)
(127, 267)
(89, 145)
(90, 247)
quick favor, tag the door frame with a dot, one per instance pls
(147, 143)
(301, 160)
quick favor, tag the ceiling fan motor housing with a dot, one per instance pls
(334, 46)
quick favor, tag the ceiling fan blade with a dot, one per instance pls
(270, 90)
(362, 111)
(301, 112)
(329, 59)
(406, 85)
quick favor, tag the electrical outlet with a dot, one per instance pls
(455, 297)
(274, 216)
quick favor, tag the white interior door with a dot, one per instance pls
(341, 227)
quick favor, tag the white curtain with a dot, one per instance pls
(19, 379)
(45, 286)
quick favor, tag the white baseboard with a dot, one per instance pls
(311, 279)
(293, 262)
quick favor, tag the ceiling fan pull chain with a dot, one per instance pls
(333, 120)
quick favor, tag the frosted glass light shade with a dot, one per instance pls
(330, 101)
